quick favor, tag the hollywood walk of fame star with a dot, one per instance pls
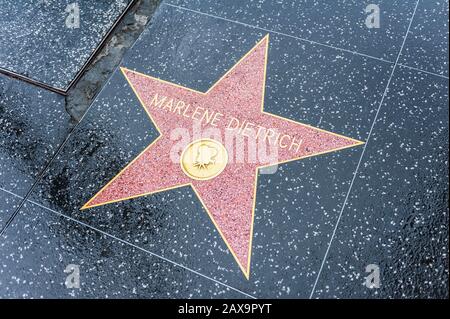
(228, 192)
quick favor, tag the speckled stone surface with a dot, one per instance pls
(340, 23)
(8, 203)
(39, 245)
(296, 208)
(427, 44)
(35, 41)
(397, 214)
(33, 123)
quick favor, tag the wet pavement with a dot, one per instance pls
(49, 41)
(33, 124)
(318, 221)
(397, 213)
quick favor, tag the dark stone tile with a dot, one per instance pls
(8, 204)
(397, 214)
(337, 23)
(40, 244)
(296, 208)
(427, 44)
(35, 41)
(33, 123)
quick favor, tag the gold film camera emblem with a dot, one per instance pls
(204, 159)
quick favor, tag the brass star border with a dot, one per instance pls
(130, 76)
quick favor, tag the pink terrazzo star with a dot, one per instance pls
(229, 198)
